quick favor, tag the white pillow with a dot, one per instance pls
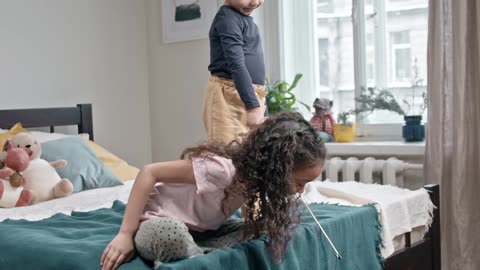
(2, 130)
(43, 137)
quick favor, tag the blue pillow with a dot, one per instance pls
(84, 169)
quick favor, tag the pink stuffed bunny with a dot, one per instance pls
(12, 192)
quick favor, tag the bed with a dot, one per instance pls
(70, 233)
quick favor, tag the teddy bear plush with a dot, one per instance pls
(42, 178)
(12, 192)
(323, 120)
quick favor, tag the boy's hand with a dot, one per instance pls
(255, 117)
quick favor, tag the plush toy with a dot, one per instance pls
(43, 179)
(17, 160)
(12, 193)
(323, 120)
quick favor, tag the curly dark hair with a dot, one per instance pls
(264, 161)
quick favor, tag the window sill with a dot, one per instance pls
(377, 148)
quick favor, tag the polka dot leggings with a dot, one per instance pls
(168, 239)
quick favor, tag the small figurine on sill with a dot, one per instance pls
(323, 119)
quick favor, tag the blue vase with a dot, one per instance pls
(413, 130)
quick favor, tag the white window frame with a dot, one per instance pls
(371, 130)
(283, 61)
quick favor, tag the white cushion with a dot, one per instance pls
(43, 137)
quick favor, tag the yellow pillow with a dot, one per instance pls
(17, 128)
(118, 166)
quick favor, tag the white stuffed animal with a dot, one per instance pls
(13, 196)
(43, 180)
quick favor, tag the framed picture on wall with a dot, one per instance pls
(184, 20)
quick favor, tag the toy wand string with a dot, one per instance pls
(321, 228)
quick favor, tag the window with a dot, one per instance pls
(323, 61)
(370, 59)
(359, 44)
(324, 5)
(401, 56)
(334, 27)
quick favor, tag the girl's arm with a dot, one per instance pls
(121, 248)
(179, 171)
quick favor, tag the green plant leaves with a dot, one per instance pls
(374, 99)
(280, 97)
(342, 118)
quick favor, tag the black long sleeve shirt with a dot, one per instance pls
(236, 53)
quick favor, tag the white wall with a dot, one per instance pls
(108, 53)
(178, 75)
(64, 52)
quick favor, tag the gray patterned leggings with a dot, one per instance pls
(168, 239)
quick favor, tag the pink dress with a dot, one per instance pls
(198, 206)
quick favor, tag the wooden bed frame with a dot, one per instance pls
(80, 116)
(421, 255)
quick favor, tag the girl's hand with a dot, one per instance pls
(119, 250)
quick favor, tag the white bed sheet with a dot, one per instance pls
(82, 201)
(400, 210)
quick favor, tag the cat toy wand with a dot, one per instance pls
(339, 257)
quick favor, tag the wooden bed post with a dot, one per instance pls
(434, 233)
(86, 123)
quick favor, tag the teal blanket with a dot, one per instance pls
(77, 241)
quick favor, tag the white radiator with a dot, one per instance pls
(351, 169)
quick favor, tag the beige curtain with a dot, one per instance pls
(453, 139)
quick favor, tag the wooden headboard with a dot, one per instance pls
(80, 116)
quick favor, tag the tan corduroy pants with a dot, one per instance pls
(224, 114)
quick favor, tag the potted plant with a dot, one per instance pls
(413, 130)
(344, 129)
(280, 97)
(373, 99)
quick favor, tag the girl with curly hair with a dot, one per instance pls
(180, 209)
